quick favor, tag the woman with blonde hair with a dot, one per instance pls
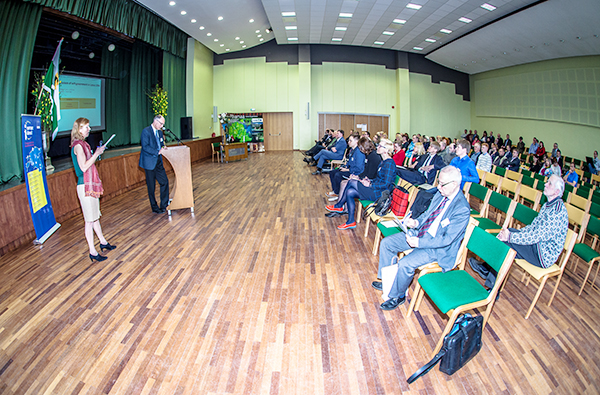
(89, 186)
(366, 189)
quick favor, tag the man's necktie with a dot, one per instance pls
(432, 218)
(157, 139)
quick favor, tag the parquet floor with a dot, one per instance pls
(258, 293)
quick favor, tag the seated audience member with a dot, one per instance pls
(399, 154)
(535, 166)
(484, 161)
(491, 140)
(546, 169)
(554, 149)
(508, 142)
(435, 236)
(499, 141)
(493, 151)
(539, 243)
(594, 167)
(571, 177)
(555, 169)
(418, 151)
(449, 153)
(333, 153)
(521, 146)
(484, 137)
(426, 168)
(355, 165)
(476, 152)
(464, 164)
(500, 159)
(559, 158)
(398, 139)
(411, 146)
(365, 189)
(534, 146)
(320, 144)
(541, 151)
(513, 162)
(366, 134)
(405, 142)
(475, 136)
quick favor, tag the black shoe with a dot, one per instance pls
(334, 214)
(313, 163)
(98, 258)
(306, 160)
(316, 173)
(478, 268)
(392, 303)
(378, 285)
(107, 246)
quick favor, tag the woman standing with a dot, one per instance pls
(365, 189)
(89, 186)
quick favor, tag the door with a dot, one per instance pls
(278, 131)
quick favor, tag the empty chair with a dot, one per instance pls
(530, 196)
(480, 193)
(588, 252)
(513, 175)
(522, 215)
(502, 204)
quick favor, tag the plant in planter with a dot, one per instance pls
(44, 110)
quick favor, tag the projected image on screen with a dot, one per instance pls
(81, 97)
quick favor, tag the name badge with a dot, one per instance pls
(445, 223)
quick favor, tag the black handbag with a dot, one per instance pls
(460, 346)
(380, 207)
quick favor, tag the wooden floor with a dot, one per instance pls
(258, 293)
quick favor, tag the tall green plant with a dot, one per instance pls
(44, 106)
(159, 99)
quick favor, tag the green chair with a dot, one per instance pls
(583, 191)
(529, 181)
(577, 163)
(502, 204)
(526, 173)
(478, 192)
(539, 177)
(501, 171)
(594, 209)
(456, 291)
(530, 196)
(588, 253)
(522, 214)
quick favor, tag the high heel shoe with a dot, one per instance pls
(107, 246)
(98, 258)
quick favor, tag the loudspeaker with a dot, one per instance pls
(186, 128)
(215, 114)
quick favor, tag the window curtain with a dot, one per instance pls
(117, 64)
(174, 84)
(18, 28)
(127, 17)
(144, 74)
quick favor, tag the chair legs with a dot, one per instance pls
(588, 275)
(377, 241)
(367, 222)
(537, 296)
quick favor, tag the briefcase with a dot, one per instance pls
(460, 346)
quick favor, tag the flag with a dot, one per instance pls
(51, 85)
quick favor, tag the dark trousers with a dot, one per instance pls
(336, 176)
(315, 149)
(158, 174)
(411, 175)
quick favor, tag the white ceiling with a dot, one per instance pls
(527, 30)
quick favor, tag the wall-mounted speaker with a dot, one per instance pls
(215, 114)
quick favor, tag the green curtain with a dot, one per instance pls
(145, 73)
(117, 64)
(18, 28)
(174, 84)
(127, 17)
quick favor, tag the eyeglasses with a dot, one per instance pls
(444, 184)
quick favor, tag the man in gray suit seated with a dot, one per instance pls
(435, 236)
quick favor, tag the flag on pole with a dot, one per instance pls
(51, 85)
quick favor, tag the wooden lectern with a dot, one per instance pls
(182, 192)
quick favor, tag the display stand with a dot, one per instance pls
(235, 151)
(182, 193)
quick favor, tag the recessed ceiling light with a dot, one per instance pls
(430, 40)
(336, 39)
(216, 39)
(504, 53)
(227, 49)
(193, 21)
(417, 48)
(201, 28)
(446, 31)
(237, 38)
(345, 15)
(464, 64)
(400, 21)
(413, 6)
(220, 18)
(258, 31)
(209, 34)
(465, 20)
(243, 46)
(183, 12)
(262, 39)
(259, 36)
(488, 7)
(241, 42)
(387, 33)
(171, 3)
(251, 21)
(288, 13)
(291, 27)
(222, 45)
(341, 28)
(473, 61)
(378, 43)
(292, 38)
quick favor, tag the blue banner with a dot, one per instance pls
(34, 168)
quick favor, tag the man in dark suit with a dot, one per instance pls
(335, 152)
(426, 168)
(151, 161)
(435, 236)
(508, 142)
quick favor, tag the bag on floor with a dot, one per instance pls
(380, 207)
(460, 346)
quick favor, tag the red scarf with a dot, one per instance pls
(91, 178)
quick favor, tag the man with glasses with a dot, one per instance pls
(435, 236)
(153, 146)
(539, 243)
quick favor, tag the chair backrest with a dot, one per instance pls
(481, 174)
(595, 196)
(511, 186)
(595, 178)
(489, 248)
(530, 194)
(539, 177)
(577, 162)
(501, 171)
(523, 214)
(583, 191)
(493, 181)
(570, 241)
(513, 175)
(594, 209)
(529, 181)
(499, 201)
(461, 257)
(593, 226)
(527, 173)
(577, 216)
(578, 201)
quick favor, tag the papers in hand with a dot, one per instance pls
(394, 223)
